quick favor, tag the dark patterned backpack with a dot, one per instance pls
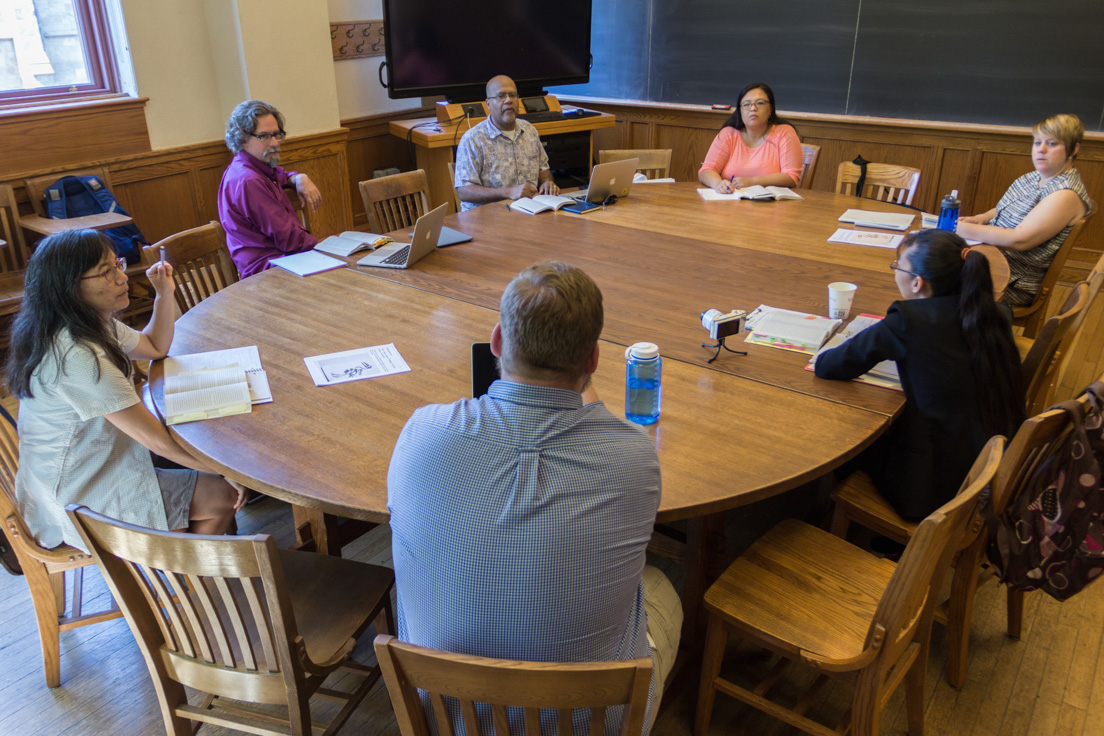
(1051, 537)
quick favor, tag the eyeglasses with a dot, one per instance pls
(110, 274)
(278, 135)
(505, 96)
(894, 267)
(757, 103)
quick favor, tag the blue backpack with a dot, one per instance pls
(76, 196)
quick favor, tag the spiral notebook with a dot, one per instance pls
(247, 358)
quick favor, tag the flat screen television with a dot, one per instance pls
(451, 48)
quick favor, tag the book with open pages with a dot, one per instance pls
(205, 394)
(798, 332)
(754, 192)
(350, 242)
(540, 203)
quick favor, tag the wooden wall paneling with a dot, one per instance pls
(641, 135)
(688, 148)
(958, 170)
(614, 138)
(207, 179)
(71, 135)
(161, 205)
(371, 146)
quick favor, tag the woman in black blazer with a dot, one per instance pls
(958, 365)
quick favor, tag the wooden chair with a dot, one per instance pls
(896, 184)
(812, 597)
(201, 263)
(856, 500)
(44, 568)
(1044, 354)
(1072, 344)
(655, 163)
(302, 211)
(14, 255)
(808, 167)
(396, 201)
(501, 683)
(452, 179)
(1032, 316)
(238, 619)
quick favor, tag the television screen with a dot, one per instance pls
(444, 47)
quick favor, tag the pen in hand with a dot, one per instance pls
(162, 255)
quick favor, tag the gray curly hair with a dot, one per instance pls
(243, 121)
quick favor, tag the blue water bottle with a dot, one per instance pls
(643, 374)
(948, 213)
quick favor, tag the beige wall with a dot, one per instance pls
(196, 60)
(359, 92)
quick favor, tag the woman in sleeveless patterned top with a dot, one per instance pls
(1036, 214)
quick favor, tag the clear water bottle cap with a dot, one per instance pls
(642, 351)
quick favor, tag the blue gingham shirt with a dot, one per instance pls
(519, 527)
(489, 158)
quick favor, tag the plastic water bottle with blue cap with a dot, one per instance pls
(948, 212)
(643, 377)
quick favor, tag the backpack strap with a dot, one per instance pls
(55, 199)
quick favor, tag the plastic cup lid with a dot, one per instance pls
(642, 350)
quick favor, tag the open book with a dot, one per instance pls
(540, 203)
(753, 192)
(788, 330)
(307, 263)
(206, 394)
(350, 242)
(884, 374)
(249, 359)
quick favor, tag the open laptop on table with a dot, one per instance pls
(427, 230)
(608, 180)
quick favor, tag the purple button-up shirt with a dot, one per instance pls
(255, 213)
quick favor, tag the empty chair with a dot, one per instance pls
(808, 167)
(201, 263)
(885, 182)
(1032, 316)
(239, 620)
(811, 597)
(655, 163)
(1041, 363)
(396, 201)
(43, 568)
(14, 255)
(502, 683)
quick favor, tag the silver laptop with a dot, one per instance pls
(427, 230)
(606, 180)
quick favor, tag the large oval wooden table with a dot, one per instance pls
(731, 432)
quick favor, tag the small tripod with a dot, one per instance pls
(721, 344)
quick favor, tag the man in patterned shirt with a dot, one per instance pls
(520, 520)
(501, 157)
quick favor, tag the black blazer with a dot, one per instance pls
(923, 458)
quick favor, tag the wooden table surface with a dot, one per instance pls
(328, 448)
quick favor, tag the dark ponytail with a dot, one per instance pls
(942, 259)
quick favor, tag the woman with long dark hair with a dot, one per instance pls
(755, 146)
(958, 365)
(84, 435)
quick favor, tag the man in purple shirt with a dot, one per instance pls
(259, 221)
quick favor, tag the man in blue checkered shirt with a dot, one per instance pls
(520, 519)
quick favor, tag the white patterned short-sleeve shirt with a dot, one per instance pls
(487, 157)
(68, 451)
(1028, 268)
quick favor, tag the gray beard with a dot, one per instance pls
(272, 159)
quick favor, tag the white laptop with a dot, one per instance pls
(614, 179)
(427, 230)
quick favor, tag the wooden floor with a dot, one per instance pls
(1050, 682)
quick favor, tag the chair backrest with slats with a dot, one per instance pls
(201, 263)
(208, 612)
(810, 154)
(36, 186)
(14, 528)
(452, 183)
(394, 202)
(502, 683)
(1040, 365)
(909, 595)
(1072, 341)
(14, 255)
(884, 182)
(655, 163)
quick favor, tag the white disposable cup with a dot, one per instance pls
(840, 296)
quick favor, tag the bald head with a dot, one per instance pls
(502, 102)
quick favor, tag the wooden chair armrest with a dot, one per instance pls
(61, 555)
(851, 664)
(1021, 312)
